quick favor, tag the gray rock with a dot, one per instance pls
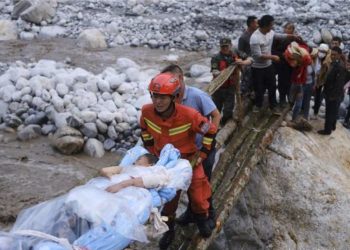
(137, 132)
(62, 89)
(92, 39)
(101, 126)
(67, 140)
(21, 110)
(127, 133)
(13, 106)
(201, 35)
(153, 44)
(39, 118)
(88, 116)
(112, 133)
(12, 121)
(108, 144)
(48, 129)
(19, 7)
(3, 108)
(316, 37)
(89, 130)
(74, 121)
(27, 99)
(101, 138)
(94, 148)
(8, 30)
(106, 116)
(326, 36)
(27, 36)
(41, 10)
(124, 126)
(29, 132)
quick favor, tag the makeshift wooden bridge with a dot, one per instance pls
(245, 140)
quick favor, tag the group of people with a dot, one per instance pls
(284, 62)
(188, 118)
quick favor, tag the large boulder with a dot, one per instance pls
(35, 11)
(326, 36)
(8, 30)
(297, 197)
(67, 140)
(92, 39)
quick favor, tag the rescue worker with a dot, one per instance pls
(164, 121)
(202, 102)
(224, 97)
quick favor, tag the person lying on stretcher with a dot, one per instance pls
(145, 160)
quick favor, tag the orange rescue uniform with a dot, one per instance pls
(180, 130)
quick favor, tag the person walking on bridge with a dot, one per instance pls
(165, 121)
(202, 102)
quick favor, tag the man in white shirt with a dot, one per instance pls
(262, 69)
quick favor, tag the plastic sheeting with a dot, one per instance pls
(91, 218)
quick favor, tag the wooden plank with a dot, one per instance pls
(218, 81)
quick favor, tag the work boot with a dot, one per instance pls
(186, 218)
(168, 236)
(203, 224)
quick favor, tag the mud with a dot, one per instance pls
(33, 171)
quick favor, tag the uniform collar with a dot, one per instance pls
(185, 94)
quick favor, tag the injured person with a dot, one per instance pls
(108, 212)
(158, 179)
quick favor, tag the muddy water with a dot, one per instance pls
(31, 172)
(96, 61)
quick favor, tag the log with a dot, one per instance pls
(249, 151)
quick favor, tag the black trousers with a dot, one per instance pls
(347, 116)
(332, 107)
(284, 73)
(264, 79)
(318, 99)
(224, 99)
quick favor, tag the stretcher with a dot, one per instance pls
(88, 217)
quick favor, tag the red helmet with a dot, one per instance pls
(164, 84)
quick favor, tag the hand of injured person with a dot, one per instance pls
(135, 182)
(110, 171)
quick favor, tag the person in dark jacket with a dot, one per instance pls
(346, 122)
(334, 90)
(224, 97)
(244, 52)
(282, 68)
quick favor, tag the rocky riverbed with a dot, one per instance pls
(65, 59)
(190, 25)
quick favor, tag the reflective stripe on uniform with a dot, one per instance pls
(146, 136)
(153, 126)
(207, 141)
(180, 129)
